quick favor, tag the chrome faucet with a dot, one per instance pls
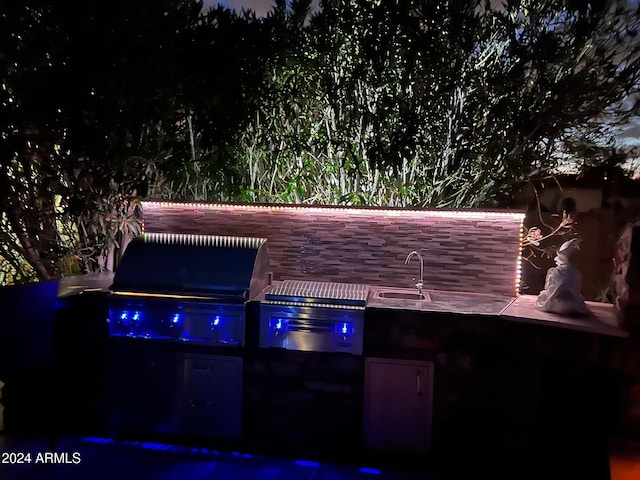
(421, 282)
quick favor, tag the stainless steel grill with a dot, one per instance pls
(189, 288)
(313, 316)
(177, 324)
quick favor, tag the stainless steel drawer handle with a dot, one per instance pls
(419, 376)
(310, 326)
(320, 330)
(196, 404)
(195, 368)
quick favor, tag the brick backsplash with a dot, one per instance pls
(467, 250)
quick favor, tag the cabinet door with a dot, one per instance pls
(398, 404)
(212, 396)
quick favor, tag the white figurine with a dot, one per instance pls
(562, 286)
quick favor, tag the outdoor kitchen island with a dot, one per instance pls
(439, 384)
(460, 381)
(448, 383)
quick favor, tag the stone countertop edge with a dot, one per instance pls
(88, 282)
(603, 320)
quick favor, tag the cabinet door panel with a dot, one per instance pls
(398, 404)
(212, 396)
(205, 376)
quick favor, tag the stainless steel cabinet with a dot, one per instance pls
(398, 401)
(211, 402)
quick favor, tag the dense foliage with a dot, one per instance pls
(97, 99)
(439, 103)
(420, 102)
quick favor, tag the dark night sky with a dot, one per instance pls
(261, 7)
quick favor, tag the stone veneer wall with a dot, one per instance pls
(627, 277)
(626, 287)
(469, 251)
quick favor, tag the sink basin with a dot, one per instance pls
(403, 295)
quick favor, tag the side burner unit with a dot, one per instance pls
(177, 314)
(313, 316)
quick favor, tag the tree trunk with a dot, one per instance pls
(30, 251)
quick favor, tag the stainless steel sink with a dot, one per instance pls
(403, 295)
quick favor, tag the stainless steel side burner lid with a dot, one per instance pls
(322, 293)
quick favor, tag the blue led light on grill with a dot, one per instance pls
(177, 323)
(128, 318)
(344, 328)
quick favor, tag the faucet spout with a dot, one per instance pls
(420, 284)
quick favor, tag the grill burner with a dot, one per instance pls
(322, 293)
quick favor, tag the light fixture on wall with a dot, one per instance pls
(446, 213)
(519, 260)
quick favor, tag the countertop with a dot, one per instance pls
(602, 320)
(522, 309)
(442, 301)
(89, 282)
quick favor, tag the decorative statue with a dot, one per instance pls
(562, 286)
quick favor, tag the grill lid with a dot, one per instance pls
(186, 264)
(329, 293)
